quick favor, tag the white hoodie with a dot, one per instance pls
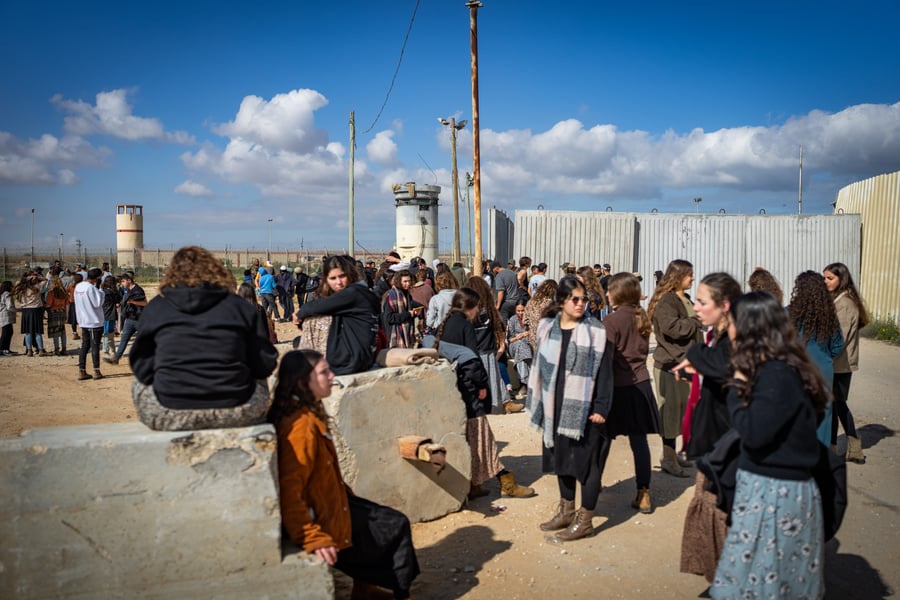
(88, 305)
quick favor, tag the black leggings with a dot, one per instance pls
(640, 451)
(590, 489)
(841, 412)
(6, 338)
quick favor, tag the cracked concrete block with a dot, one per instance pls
(372, 410)
(122, 511)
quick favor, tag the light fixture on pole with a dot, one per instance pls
(269, 248)
(454, 127)
(697, 202)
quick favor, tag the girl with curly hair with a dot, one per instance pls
(852, 315)
(775, 543)
(761, 280)
(542, 298)
(677, 328)
(27, 294)
(57, 305)
(369, 542)
(815, 318)
(595, 291)
(202, 353)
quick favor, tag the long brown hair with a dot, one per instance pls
(812, 309)
(595, 290)
(764, 334)
(193, 266)
(625, 290)
(347, 266)
(464, 299)
(57, 290)
(723, 288)
(845, 284)
(762, 280)
(677, 270)
(487, 305)
(292, 391)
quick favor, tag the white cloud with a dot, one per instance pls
(382, 149)
(46, 160)
(112, 115)
(284, 123)
(192, 188)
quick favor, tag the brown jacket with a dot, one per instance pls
(675, 331)
(848, 316)
(314, 506)
(630, 357)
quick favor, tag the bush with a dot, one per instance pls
(885, 330)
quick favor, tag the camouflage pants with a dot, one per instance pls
(160, 418)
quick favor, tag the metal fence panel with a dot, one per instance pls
(501, 232)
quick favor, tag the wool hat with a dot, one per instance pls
(283, 268)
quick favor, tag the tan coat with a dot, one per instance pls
(314, 506)
(848, 316)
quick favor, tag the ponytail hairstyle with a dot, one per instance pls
(625, 290)
(464, 300)
(567, 285)
(292, 391)
(723, 288)
(671, 282)
(764, 333)
(761, 280)
(845, 284)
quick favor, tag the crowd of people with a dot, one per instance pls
(731, 372)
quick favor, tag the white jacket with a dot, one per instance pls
(89, 305)
(7, 310)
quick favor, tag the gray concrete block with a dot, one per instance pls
(122, 511)
(372, 410)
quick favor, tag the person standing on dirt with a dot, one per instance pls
(133, 302)
(89, 310)
(569, 397)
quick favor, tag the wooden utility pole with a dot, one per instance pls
(350, 224)
(474, 5)
(454, 127)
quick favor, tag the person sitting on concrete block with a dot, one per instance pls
(202, 354)
(369, 542)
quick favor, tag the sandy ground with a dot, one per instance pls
(494, 549)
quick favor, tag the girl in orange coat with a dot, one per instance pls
(369, 542)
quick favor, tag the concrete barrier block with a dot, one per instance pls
(372, 410)
(122, 511)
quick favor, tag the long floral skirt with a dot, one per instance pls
(775, 545)
(485, 456)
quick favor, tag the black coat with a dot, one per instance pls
(710, 419)
(354, 315)
(201, 347)
(471, 376)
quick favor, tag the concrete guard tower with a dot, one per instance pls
(417, 220)
(129, 233)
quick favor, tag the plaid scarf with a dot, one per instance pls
(582, 362)
(400, 334)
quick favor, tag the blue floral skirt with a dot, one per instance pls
(775, 545)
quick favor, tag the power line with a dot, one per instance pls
(397, 70)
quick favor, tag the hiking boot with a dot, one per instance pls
(29, 352)
(44, 353)
(669, 463)
(98, 374)
(512, 407)
(642, 501)
(582, 526)
(563, 517)
(111, 360)
(854, 450)
(509, 487)
(83, 375)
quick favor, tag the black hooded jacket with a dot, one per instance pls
(201, 347)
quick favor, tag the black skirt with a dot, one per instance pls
(382, 553)
(633, 411)
(32, 320)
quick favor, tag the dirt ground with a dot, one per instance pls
(494, 549)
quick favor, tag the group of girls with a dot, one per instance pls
(35, 297)
(766, 374)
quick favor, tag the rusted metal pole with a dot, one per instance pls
(351, 225)
(474, 5)
(455, 188)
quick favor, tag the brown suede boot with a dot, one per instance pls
(83, 375)
(512, 407)
(98, 374)
(565, 512)
(854, 450)
(509, 487)
(642, 501)
(669, 463)
(582, 526)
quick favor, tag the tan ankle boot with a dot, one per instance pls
(512, 407)
(854, 450)
(669, 463)
(582, 526)
(565, 513)
(509, 487)
(642, 501)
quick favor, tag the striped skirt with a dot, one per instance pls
(56, 322)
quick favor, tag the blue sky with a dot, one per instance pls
(216, 116)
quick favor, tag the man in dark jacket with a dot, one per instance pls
(133, 302)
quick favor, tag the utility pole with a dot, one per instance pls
(31, 263)
(454, 127)
(474, 5)
(351, 234)
(269, 248)
(800, 191)
(469, 183)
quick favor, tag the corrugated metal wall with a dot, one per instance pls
(877, 202)
(585, 238)
(783, 244)
(501, 231)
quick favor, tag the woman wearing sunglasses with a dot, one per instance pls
(569, 397)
